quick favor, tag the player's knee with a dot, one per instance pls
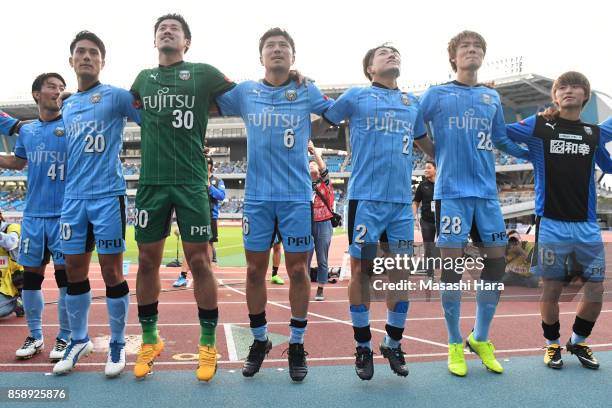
(494, 269)
(297, 274)
(593, 292)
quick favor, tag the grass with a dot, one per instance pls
(230, 251)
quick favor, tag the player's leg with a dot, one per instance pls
(549, 264)
(193, 217)
(31, 256)
(54, 250)
(589, 250)
(277, 250)
(365, 226)
(454, 223)
(77, 243)
(108, 217)
(259, 233)
(295, 226)
(400, 238)
(489, 232)
(153, 217)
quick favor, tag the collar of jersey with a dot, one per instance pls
(50, 121)
(571, 122)
(176, 64)
(379, 85)
(90, 88)
(266, 83)
(461, 84)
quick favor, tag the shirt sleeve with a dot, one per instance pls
(602, 155)
(426, 102)
(418, 194)
(500, 138)
(20, 150)
(7, 123)
(319, 102)
(128, 105)
(217, 192)
(218, 83)
(343, 108)
(229, 102)
(419, 124)
(522, 131)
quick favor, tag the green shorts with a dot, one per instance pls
(154, 205)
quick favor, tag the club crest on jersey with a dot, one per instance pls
(588, 130)
(95, 98)
(291, 95)
(486, 98)
(405, 100)
(184, 75)
(59, 131)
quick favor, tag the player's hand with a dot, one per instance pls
(297, 76)
(311, 147)
(551, 113)
(62, 97)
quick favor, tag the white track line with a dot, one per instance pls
(229, 340)
(278, 304)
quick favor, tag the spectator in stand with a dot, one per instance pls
(322, 230)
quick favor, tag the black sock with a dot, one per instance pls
(274, 270)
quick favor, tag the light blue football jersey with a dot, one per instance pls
(94, 121)
(277, 121)
(43, 145)
(6, 123)
(467, 122)
(383, 126)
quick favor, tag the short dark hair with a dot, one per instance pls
(40, 80)
(572, 78)
(88, 35)
(456, 40)
(274, 32)
(433, 163)
(180, 19)
(367, 59)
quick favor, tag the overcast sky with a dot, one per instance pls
(331, 36)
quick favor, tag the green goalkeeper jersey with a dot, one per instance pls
(175, 101)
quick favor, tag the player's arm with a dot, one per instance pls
(336, 112)
(500, 138)
(422, 140)
(12, 162)
(522, 131)
(602, 155)
(8, 124)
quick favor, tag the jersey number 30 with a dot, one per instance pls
(182, 119)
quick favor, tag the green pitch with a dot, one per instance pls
(230, 251)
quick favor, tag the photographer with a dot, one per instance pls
(322, 230)
(518, 262)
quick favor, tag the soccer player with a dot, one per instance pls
(41, 146)
(93, 213)
(175, 98)
(467, 120)
(564, 152)
(276, 112)
(384, 123)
